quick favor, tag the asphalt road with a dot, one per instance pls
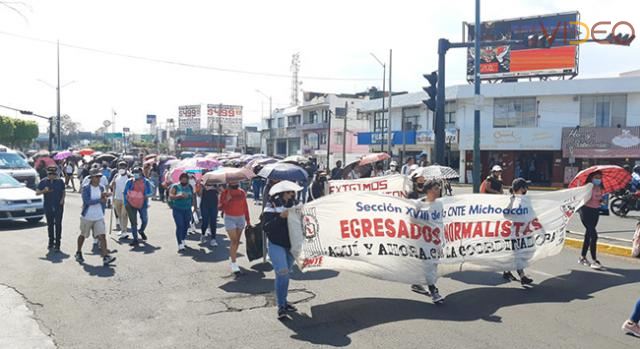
(155, 298)
(611, 229)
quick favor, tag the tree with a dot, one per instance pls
(6, 129)
(24, 132)
(68, 127)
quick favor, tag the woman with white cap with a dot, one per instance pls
(493, 183)
(281, 197)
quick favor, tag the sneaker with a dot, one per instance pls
(290, 308)
(106, 260)
(596, 265)
(630, 328)
(134, 243)
(436, 297)
(213, 243)
(420, 289)
(143, 236)
(584, 261)
(235, 268)
(525, 280)
(79, 257)
(56, 249)
(507, 275)
(282, 314)
(203, 238)
(181, 247)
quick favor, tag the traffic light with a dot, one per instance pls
(431, 90)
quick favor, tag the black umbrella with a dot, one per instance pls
(105, 157)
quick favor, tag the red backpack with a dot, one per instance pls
(135, 196)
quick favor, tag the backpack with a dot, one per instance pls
(135, 197)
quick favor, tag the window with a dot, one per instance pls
(325, 115)
(450, 115)
(338, 138)
(323, 138)
(379, 124)
(280, 122)
(293, 120)
(311, 140)
(311, 117)
(603, 111)
(515, 112)
(411, 117)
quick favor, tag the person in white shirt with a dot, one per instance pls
(103, 183)
(94, 199)
(406, 168)
(117, 188)
(393, 168)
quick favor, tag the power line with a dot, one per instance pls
(183, 64)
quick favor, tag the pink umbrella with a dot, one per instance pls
(175, 173)
(228, 175)
(373, 158)
(63, 155)
(208, 164)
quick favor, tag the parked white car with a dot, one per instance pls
(19, 202)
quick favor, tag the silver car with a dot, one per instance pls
(19, 202)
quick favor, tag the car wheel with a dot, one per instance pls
(34, 220)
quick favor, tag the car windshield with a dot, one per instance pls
(11, 160)
(7, 181)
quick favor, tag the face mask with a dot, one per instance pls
(192, 182)
(136, 176)
(596, 181)
(122, 171)
(420, 185)
(234, 186)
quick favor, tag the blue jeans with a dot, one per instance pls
(282, 261)
(209, 219)
(257, 189)
(133, 212)
(183, 220)
(635, 317)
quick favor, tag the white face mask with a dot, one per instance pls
(192, 182)
(122, 171)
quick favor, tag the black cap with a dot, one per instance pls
(520, 183)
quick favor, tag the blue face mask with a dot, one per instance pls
(136, 176)
(596, 181)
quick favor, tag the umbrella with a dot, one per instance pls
(163, 158)
(186, 154)
(105, 157)
(176, 172)
(208, 164)
(46, 160)
(41, 153)
(171, 162)
(228, 175)
(613, 177)
(284, 186)
(150, 162)
(296, 159)
(86, 151)
(353, 166)
(435, 172)
(284, 171)
(373, 158)
(62, 155)
(260, 162)
(151, 156)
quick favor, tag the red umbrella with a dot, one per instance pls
(613, 177)
(86, 151)
(373, 158)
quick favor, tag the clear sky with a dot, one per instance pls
(334, 38)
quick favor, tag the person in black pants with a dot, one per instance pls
(53, 189)
(209, 210)
(589, 215)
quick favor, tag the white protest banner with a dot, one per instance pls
(394, 185)
(412, 242)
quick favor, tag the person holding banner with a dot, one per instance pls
(519, 187)
(281, 197)
(418, 187)
(432, 193)
(589, 216)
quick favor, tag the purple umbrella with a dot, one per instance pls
(63, 155)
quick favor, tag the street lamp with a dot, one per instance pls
(48, 118)
(384, 80)
(271, 137)
(57, 88)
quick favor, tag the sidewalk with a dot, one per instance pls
(18, 327)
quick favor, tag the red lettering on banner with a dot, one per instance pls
(402, 230)
(344, 228)
(506, 229)
(366, 228)
(378, 227)
(391, 229)
(435, 236)
(477, 232)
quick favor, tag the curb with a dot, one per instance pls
(615, 250)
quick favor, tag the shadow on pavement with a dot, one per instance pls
(145, 248)
(55, 257)
(479, 278)
(99, 270)
(332, 323)
(251, 281)
(20, 225)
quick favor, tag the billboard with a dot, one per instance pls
(151, 119)
(224, 118)
(523, 60)
(189, 117)
(600, 142)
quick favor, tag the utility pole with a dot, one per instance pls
(384, 80)
(59, 145)
(389, 134)
(443, 46)
(220, 145)
(328, 142)
(344, 134)
(477, 166)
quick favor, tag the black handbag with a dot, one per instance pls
(254, 242)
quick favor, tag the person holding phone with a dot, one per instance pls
(53, 189)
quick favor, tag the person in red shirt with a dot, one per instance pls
(233, 202)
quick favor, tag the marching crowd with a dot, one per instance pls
(128, 191)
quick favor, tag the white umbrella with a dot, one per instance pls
(284, 186)
(435, 172)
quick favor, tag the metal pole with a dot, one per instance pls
(476, 113)
(59, 143)
(273, 142)
(443, 46)
(50, 134)
(390, 138)
(220, 129)
(344, 135)
(328, 142)
(404, 138)
(384, 80)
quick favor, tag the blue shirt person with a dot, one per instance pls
(53, 189)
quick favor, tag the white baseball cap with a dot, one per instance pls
(496, 168)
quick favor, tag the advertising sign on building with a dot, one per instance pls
(224, 118)
(600, 142)
(151, 119)
(548, 47)
(189, 117)
(514, 139)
